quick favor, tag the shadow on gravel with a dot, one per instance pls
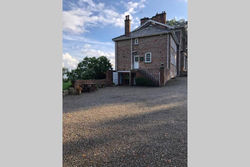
(124, 95)
(157, 138)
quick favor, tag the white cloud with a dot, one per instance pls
(69, 62)
(86, 40)
(133, 6)
(88, 50)
(178, 18)
(88, 13)
(73, 21)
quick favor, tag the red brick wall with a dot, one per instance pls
(109, 76)
(107, 81)
(123, 55)
(157, 45)
(165, 75)
(96, 81)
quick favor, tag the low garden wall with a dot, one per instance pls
(78, 85)
(98, 82)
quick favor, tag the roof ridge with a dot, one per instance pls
(153, 21)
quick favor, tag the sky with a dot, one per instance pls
(90, 25)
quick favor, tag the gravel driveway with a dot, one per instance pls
(127, 126)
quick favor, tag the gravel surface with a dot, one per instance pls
(127, 127)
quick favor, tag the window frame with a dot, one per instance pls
(173, 56)
(185, 64)
(146, 57)
(136, 42)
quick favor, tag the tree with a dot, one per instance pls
(91, 68)
(175, 22)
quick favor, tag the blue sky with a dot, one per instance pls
(90, 25)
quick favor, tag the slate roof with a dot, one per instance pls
(148, 29)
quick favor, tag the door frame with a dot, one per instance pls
(137, 61)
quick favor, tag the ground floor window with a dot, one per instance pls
(148, 57)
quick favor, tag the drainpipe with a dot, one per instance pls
(160, 78)
(131, 54)
(116, 56)
(131, 63)
(169, 53)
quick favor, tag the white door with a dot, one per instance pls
(115, 78)
(136, 62)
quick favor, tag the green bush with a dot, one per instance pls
(67, 85)
(89, 68)
(140, 81)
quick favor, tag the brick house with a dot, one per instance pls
(180, 30)
(152, 51)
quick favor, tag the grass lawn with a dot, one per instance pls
(66, 84)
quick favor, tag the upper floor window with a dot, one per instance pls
(173, 56)
(148, 57)
(136, 41)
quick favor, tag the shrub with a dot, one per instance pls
(90, 68)
(140, 81)
(67, 85)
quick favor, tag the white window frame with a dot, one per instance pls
(136, 41)
(146, 57)
(173, 56)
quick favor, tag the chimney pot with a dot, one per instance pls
(143, 20)
(161, 17)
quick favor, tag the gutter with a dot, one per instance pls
(126, 38)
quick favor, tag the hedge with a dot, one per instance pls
(140, 81)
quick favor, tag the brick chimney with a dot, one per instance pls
(143, 20)
(162, 17)
(127, 25)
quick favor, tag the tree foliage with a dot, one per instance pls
(91, 68)
(174, 22)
